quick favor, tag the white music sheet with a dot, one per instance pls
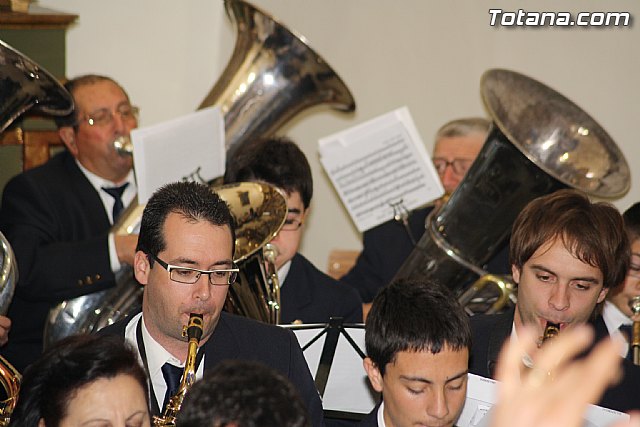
(188, 148)
(482, 395)
(378, 164)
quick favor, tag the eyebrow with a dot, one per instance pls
(428, 381)
(589, 279)
(225, 262)
(294, 210)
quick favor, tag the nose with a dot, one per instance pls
(437, 406)
(202, 288)
(559, 299)
(450, 180)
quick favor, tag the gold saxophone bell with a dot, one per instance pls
(193, 333)
(634, 305)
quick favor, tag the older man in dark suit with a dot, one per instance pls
(57, 217)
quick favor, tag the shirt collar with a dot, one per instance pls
(98, 182)
(283, 272)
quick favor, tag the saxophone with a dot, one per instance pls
(193, 332)
(550, 331)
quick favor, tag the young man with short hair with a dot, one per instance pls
(418, 340)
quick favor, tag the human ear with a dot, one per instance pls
(374, 374)
(515, 273)
(141, 267)
(68, 137)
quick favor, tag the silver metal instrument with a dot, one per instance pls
(540, 142)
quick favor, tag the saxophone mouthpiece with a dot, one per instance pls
(195, 326)
(550, 331)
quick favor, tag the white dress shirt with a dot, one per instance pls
(108, 202)
(614, 318)
(156, 357)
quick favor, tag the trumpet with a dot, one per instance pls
(193, 332)
(634, 305)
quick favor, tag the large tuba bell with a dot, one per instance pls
(23, 85)
(540, 142)
(272, 76)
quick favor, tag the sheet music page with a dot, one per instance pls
(378, 164)
(482, 395)
(188, 148)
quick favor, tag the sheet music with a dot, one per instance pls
(377, 164)
(481, 396)
(188, 148)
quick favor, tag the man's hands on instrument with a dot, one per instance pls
(557, 390)
(126, 247)
(5, 326)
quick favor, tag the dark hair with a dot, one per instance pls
(592, 232)
(71, 119)
(632, 222)
(52, 381)
(190, 199)
(276, 161)
(243, 393)
(414, 315)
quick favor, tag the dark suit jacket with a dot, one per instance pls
(387, 246)
(371, 420)
(242, 338)
(313, 297)
(57, 227)
(489, 332)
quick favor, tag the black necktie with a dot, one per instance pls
(172, 375)
(116, 193)
(626, 331)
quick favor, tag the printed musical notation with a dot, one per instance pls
(190, 147)
(379, 164)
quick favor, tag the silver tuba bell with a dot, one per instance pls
(272, 75)
(540, 142)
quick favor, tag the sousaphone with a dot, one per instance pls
(540, 142)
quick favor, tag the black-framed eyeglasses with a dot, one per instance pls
(189, 276)
(459, 165)
(104, 117)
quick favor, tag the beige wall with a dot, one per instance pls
(428, 55)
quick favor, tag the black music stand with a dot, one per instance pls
(337, 348)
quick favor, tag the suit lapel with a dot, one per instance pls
(296, 293)
(499, 334)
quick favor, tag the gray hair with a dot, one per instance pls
(463, 127)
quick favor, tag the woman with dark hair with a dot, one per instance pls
(84, 380)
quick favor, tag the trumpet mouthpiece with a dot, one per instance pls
(123, 146)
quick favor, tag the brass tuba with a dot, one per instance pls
(23, 85)
(540, 142)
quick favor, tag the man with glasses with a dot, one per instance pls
(57, 216)
(388, 245)
(184, 262)
(617, 315)
(307, 295)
